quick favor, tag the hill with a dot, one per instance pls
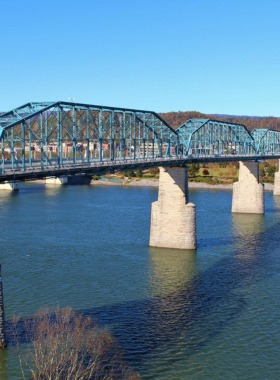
(175, 119)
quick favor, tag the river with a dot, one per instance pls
(206, 314)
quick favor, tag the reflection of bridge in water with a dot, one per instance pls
(58, 139)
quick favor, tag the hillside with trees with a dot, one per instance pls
(175, 119)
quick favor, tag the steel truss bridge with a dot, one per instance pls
(44, 139)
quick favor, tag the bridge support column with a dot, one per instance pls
(248, 193)
(63, 180)
(3, 342)
(173, 219)
(276, 190)
(11, 186)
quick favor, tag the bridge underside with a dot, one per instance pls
(112, 167)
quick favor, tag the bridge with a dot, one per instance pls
(43, 139)
(54, 140)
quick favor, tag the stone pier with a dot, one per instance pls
(248, 193)
(276, 190)
(63, 180)
(11, 186)
(173, 218)
(3, 342)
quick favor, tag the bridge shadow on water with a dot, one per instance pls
(198, 311)
(200, 308)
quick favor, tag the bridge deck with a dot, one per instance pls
(100, 168)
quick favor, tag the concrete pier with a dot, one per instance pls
(3, 342)
(248, 193)
(276, 190)
(63, 180)
(10, 186)
(173, 218)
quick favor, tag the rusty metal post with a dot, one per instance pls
(3, 342)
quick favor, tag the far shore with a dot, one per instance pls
(152, 183)
(155, 183)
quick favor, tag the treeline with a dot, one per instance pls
(175, 119)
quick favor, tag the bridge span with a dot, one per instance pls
(58, 139)
(40, 139)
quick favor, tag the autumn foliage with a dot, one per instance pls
(175, 119)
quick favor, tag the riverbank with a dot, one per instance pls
(148, 183)
(155, 183)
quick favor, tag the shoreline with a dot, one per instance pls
(151, 183)
(155, 183)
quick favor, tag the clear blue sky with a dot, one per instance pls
(212, 56)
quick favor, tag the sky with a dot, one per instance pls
(211, 56)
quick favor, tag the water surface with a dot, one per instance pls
(206, 314)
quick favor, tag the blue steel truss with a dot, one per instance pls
(205, 137)
(267, 141)
(55, 134)
(51, 136)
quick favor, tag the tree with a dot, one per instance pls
(270, 170)
(139, 173)
(262, 171)
(154, 170)
(65, 345)
(129, 173)
(193, 169)
(205, 172)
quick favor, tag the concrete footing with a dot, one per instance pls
(173, 218)
(248, 193)
(3, 342)
(63, 180)
(276, 190)
(11, 186)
